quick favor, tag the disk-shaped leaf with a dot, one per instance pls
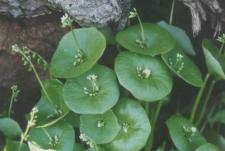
(15, 145)
(53, 109)
(157, 40)
(213, 65)
(89, 48)
(79, 101)
(183, 134)
(59, 137)
(153, 86)
(9, 127)
(180, 36)
(101, 128)
(135, 127)
(207, 147)
(183, 67)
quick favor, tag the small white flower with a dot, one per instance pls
(15, 48)
(133, 13)
(146, 72)
(66, 21)
(100, 124)
(83, 137)
(92, 77)
(221, 38)
(179, 56)
(193, 129)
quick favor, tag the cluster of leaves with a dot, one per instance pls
(109, 109)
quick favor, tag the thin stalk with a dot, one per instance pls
(37, 77)
(142, 28)
(198, 98)
(211, 87)
(23, 137)
(221, 50)
(206, 121)
(75, 37)
(149, 144)
(172, 12)
(11, 103)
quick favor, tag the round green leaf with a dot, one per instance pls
(101, 128)
(53, 109)
(207, 147)
(135, 126)
(183, 67)
(183, 134)
(153, 83)
(90, 44)
(180, 36)
(157, 40)
(213, 65)
(9, 127)
(15, 145)
(59, 137)
(95, 101)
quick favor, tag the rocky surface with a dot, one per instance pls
(40, 34)
(85, 12)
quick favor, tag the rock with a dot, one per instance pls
(98, 13)
(42, 35)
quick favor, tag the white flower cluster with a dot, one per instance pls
(221, 39)
(79, 58)
(33, 118)
(143, 73)
(133, 13)
(100, 123)
(95, 88)
(125, 127)
(66, 21)
(85, 139)
(53, 141)
(189, 132)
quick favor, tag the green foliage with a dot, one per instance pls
(114, 108)
(157, 41)
(101, 128)
(9, 127)
(147, 78)
(74, 56)
(183, 67)
(185, 135)
(213, 65)
(182, 39)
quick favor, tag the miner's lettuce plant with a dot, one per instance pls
(86, 105)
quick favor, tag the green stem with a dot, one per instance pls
(10, 105)
(212, 84)
(23, 136)
(209, 116)
(221, 50)
(149, 144)
(172, 12)
(38, 78)
(198, 98)
(142, 28)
